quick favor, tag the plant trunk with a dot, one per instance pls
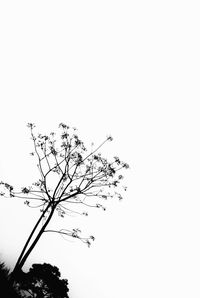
(30, 236)
(23, 257)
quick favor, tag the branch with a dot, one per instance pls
(74, 233)
(70, 196)
(35, 147)
(71, 179)
(95, 149)
(28, 198)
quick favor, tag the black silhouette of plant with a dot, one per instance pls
(71, 180)
(7, 289)
(43, 281)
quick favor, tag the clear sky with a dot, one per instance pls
(125, 68)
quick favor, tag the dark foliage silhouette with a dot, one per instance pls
(7, 290)
(43, 281)
(71, 178)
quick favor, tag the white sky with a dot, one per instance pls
(125, 68)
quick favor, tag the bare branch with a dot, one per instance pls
(74, 233)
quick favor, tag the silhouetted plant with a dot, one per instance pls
(7, 289)
(70, 176)
(43, 281)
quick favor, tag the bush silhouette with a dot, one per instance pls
(7, 290)
(43, 281)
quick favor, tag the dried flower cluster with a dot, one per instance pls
(70, 176)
